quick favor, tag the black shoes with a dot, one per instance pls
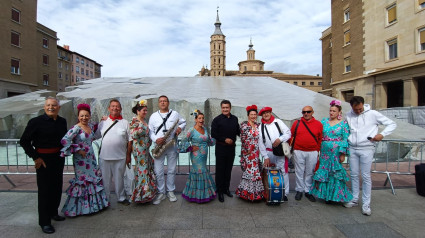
(58, 218)
(221, 197)
(49, 229)
(285, 198)
(298, 196)
(310, 197)
(229, 194)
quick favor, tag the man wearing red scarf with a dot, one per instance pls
(306, 150)
(272, 138)
(114, 154)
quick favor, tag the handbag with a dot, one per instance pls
(129, 180)
(278, 150)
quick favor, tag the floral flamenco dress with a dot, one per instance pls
(144, 176)
(329, 181)
(200, 186)
(85, 193)
(251, 186)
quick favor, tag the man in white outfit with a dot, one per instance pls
(272, 138)
(363, 136)
(159, 123)
(114, 153)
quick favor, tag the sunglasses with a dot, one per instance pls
(304, 112)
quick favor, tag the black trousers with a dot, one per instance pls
(225, 156)
(49, 182)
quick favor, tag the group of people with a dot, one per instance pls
(318, 149)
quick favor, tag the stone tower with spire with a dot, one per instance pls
(251, 64)
(218, 51)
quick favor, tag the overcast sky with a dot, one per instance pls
(136, 38)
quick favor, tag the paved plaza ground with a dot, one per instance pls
(400, 215)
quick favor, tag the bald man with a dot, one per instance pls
(307, 133)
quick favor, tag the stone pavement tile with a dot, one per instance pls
(21, 231)
(254, 232)
(226, 218)
(366, 230)
(337, 214)
(145, 233)
(24, 216)
(6, 211)
(312, 216)
(89, 231)
(325, 230)
(176, 219)
(280, 218)
(210, 233)
(414, 228)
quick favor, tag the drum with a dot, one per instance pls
(274, 186)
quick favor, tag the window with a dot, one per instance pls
(45, 59)
(60, 75)
(66, 66)
(347, 65)
(82, 61)
(392, 14)
(77, 59)
(320, 83)
(60, 64)
(392, 49)
(45, 42)
(16, 15)
(66, 77)
(91, 74)
(15, 38)
(346, 15)
(421, 4)
(295, 83)
(91, 64)
(78, 79)
(303, 83)
(15, 66)
(77, 69)
(311, 83)
(87, 72)
(45, 79)
(82, 71)
(422, 38)
(87, 64)
(347, 37)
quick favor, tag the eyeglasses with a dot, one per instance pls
(304, 112)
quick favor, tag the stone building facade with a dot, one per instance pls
(376, 49)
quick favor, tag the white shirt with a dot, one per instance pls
(156, 120)
(114, 144)
(274, 134)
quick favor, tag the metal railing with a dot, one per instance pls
(394, 156)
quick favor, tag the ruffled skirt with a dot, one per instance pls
(200, 187)
(250, 190)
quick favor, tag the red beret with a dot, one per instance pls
(265, 109)
(252, 107)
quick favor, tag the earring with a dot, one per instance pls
(339, 117)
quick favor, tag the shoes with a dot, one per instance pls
(310, 197)
(285, 198)
(125, 202)
(49, 229)
(229, 194)
(298, 196)
(366, 210)
(171, 196)
(158, 199)
(221, 197)
(351, 204)
(58, 218)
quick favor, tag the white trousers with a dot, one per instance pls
(172, 157)
(305, 162)
(279, 161)
(113, 169)
(361, 161)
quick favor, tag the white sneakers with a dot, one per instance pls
(171, 196)
(351, 203)
(158, 199)
(162, 196)
(366, 210)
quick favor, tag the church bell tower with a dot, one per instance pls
(218, 51)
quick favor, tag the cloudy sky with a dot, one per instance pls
(136, 38)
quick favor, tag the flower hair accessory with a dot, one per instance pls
(252, 107)
(142, 103)
(83, 106)
(195, 113)
(335, 103)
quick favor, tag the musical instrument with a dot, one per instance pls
(159, 149)
(274, 186)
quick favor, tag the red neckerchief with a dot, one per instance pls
(269, 122)
(115, 118)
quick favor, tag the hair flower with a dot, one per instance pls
(142, 102)
(335, 102)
